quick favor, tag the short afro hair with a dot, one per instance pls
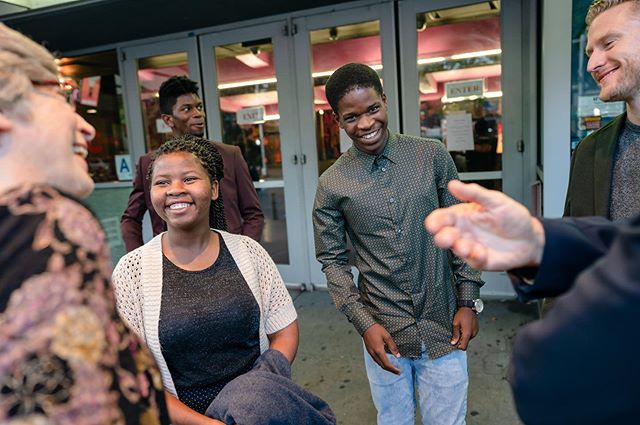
(349, 77)
(172, 89)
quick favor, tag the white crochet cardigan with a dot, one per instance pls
(137, 281)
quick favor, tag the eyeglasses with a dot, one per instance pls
(67, 89)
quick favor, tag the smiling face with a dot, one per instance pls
(613, 48)
(181, 191)
(362, 114)
(187, 116)
(50, 140)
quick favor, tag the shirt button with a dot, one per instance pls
(383, 169)
(399, 231)
(392, 200)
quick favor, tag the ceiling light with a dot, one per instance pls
(252, 60)
(328, 73)
(247, 83)
(476, 54)
(437, 59)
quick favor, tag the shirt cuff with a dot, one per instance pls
(361, 319)
(468, 291)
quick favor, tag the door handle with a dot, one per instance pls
(294, 159)
(303, 159)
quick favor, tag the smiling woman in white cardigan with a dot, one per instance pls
(208, 303)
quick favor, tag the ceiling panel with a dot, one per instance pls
(90, 23)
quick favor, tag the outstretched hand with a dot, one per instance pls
(490, 231)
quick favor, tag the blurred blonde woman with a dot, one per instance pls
(65, 355)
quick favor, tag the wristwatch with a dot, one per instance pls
(476, 305)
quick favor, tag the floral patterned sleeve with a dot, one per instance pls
(65, 356)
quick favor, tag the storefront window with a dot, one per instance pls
(99, 101)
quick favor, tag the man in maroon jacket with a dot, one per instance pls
(182, 110)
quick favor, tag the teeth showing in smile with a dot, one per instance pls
(80, 150)
(370, 135)
(178, 206)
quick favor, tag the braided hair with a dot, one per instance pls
(210, 159)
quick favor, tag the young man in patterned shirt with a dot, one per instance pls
(414, 303)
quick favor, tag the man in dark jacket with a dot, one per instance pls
(605, 178)
(182, 110)
(578, 365)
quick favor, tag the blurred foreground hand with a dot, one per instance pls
(490, 231)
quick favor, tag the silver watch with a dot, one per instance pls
(476, 305)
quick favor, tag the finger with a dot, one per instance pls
(476, 327)
(455, 337)
(473, 253)
(391, 345)
(465, 336)
(383, 362)
(442, 217)
(473, 192)
(463, 248)
(446, 237)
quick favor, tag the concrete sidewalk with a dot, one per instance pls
(330, 363)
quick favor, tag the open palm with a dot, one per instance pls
(491, 231)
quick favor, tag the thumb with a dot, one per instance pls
(473, 192)
(391, 345)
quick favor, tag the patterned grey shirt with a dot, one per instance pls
(625, 182)
(405, 283)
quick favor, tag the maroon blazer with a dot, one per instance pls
(241, 206)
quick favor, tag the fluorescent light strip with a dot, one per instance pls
(328, 73)
(489, 95)
(467, 55)
(247, 83)
(273, 117)
(431, 60)
(322, 74)
(476, 54)
(273, 79)
(375, 67)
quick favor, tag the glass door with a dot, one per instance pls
(251, 103)
(461, 86)
(323, 43)
(145, 68)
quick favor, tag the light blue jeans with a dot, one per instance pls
(442, 389)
